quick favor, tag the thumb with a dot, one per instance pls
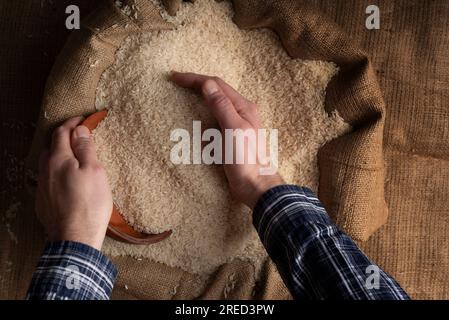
(220, 105)
(83, 146)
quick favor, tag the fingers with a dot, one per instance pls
(196, 81)
(60, 145)
(220, 97)
(220, 105)
(83, 146)
(73, 141)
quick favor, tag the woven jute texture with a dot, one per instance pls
(351, 167)
(408, 52)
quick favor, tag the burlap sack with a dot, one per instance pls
(351, 167)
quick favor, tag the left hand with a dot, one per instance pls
(73, 198)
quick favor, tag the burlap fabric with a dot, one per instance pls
(409, 52)
(351, 167)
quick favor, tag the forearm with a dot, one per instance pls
(72, 271)
(315, 259)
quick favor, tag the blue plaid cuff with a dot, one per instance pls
(286, 208)
(72, 271)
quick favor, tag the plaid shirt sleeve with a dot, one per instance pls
(315, 259)
(72, 271)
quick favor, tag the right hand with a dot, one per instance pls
(232, 111)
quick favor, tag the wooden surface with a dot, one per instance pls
(32, 32)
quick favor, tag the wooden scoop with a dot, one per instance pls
(118, 229)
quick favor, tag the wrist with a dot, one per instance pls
(95, 242)
(261, 185)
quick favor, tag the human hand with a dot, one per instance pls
(73, 197)
(232, 111)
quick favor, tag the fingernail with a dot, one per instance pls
(210, 87)
(81, 132)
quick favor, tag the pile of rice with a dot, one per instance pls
(133, 142)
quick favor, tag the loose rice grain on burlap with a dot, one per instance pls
(351, 167)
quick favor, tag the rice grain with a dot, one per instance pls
(154, 195)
